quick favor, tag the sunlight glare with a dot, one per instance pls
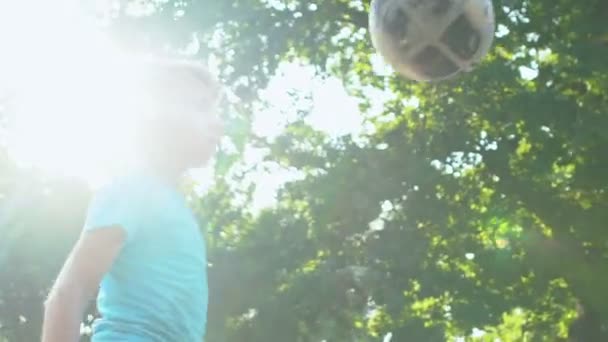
(60, 122)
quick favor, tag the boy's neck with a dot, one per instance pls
(170, 175)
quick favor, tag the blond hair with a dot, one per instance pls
(159, 70)
(152, 81)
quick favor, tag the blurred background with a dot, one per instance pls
(345, 203)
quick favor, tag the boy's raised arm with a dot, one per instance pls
(77, 283)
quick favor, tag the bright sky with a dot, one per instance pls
(74, 141)
(332, 111)
(44, 56)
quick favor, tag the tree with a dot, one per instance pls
(491, 190)
(39, 222)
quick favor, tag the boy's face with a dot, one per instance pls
(192, 128)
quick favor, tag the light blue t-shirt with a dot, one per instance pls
(157, 288)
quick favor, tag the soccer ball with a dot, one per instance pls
(431, 40)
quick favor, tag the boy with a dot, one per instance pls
(141, 245)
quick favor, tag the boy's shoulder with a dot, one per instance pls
(120, 184)
(124, 201)
(129, 187)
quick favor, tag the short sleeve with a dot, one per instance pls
(115, 205)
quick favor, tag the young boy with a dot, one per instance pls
(141, 246)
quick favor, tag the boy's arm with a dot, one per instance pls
(89, 260)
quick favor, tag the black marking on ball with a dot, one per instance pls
(396, 24)
(441, 7)
(416, 3)
(434, 64)
(462, 38)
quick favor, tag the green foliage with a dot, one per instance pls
(39, 221)
(483, 207)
